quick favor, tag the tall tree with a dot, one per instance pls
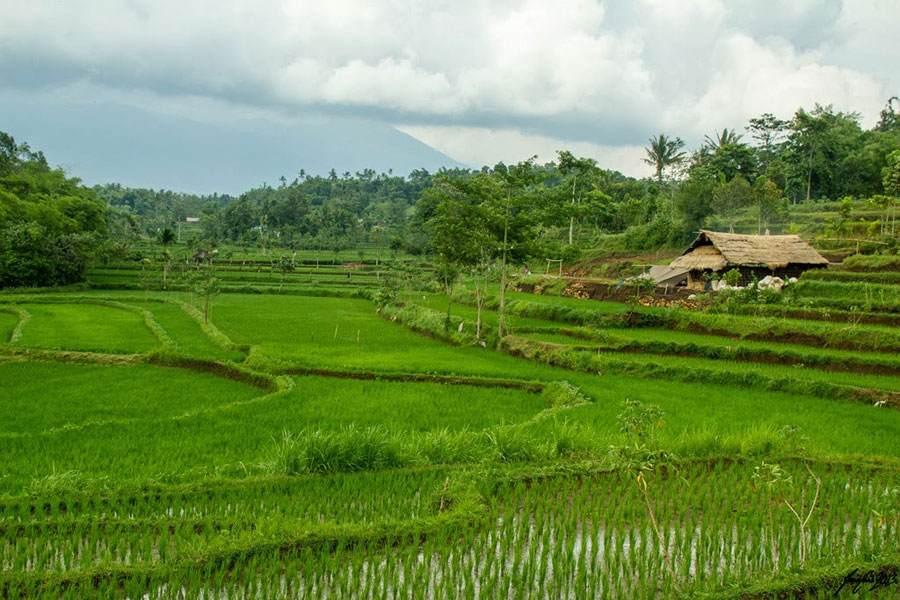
(821, 139)
(890, 115)
(511, 209)
(729, 198)
(50, 225)
(768, 132)
(580, 170)
(664, 152)
(769, 202)
(724, 162)
(460, 231)
(694, 201)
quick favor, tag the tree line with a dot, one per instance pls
(761, 171)
(767, 167)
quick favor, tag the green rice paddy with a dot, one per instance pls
(86, 327)
(305, 446)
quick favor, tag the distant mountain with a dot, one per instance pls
(102, 143)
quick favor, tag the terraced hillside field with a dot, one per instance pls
(310, 444)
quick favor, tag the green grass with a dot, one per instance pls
(489, 318)
(185, 331)
(648, 334)
(884, 382)
(860, 262)
(348, 334)
(593, 536)
(140, 479)
(8, 322)
(601, 307)
(843, 294)
(156, 444)
(879, 277)
(821, 334)
(310, 500)
(38, 396)
(321, 403)
(86, 327)
(832, 426)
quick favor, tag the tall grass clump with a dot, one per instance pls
(513, 444)
(445, 447)
(350, 449)
(570, 439)
(755, 441)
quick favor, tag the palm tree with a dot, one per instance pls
(166, 236)
(664, 152)
(722, 139)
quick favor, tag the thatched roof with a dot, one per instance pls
(715, 251)
(701, 259)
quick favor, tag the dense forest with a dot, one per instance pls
(50, 224)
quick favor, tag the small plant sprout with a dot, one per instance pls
(793, 438)
(769, 477)
(636, 462)
(776, 482)
(640, 422)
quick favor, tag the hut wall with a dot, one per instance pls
(792, 270)
(749, 273)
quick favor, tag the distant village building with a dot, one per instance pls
(192, 219)
(755, 256)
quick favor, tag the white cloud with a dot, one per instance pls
(750, 78)
(866, 38)
(547, 71)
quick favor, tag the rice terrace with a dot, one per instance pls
(538, 380)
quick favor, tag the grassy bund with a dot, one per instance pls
(305, 443)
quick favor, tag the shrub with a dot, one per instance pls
(31, 255)
(732, 277)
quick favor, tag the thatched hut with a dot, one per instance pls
(755, 256)
(204, 256)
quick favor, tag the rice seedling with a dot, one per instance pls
(86, 327)
(563, 537)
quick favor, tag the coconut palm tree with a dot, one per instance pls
(728, 136)
(664, 152)
(166, 237)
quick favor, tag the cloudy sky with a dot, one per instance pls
(479, 81)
